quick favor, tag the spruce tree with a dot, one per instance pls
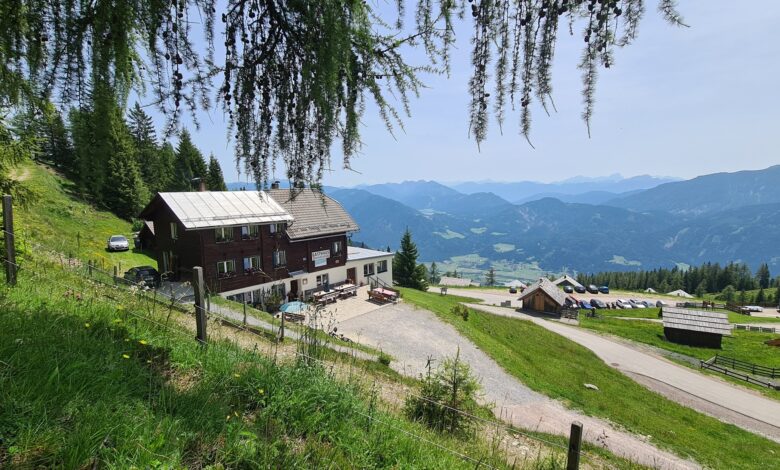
(188, 164)
(490, 277)
(406, 272)
(433, 275)
(154, 170)
(125, 192)
(214, 180)
(763, 276)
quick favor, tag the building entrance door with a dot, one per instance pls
(351, 276)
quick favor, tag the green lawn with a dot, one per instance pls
(628, 313)
(557, 367)
(59, 220)
(743, 345)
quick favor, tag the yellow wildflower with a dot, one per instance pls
(236, 375)
(260, 390)
(143, 341)
(126, 356)
(87, 325)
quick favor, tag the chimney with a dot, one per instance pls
(200, 182)
(275, 185)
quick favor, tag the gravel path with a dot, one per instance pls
(737, 405)
(413, 335)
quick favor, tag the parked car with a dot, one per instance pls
(584, 304)
(604, 289)
(754, 308)
(579, 289)
(661, 303)
(143, 274)
(117, 243)
(568, 289)
(597, 303)
(513, 290)
(621, 303)
(593, 289)
(635, 303)
(646, 303)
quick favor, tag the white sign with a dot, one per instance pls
(322, 254)
(319, 262)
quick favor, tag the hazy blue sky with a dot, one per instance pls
(679, 102)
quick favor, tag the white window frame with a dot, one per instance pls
(249, 235)
(337, 248)
(174, 231)
(227, 234)
(368, 269)
(279, 258)
(380, 265)
(224, 266)
(254, 263)
(322, 280)
(276, 228)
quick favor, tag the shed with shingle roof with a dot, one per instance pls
(315, 214)
(544, 296)
(695, 327)
(567, 280)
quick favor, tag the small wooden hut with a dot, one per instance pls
(695, 327)
(544, 296)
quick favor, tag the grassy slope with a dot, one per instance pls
(84, 383)
(557, 367)
(55, 219)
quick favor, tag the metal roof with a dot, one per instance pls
(696, 320)
(315, 214)
(548, 287)
(207, 209)
(355, 253)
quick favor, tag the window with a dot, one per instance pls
(226, 268)
(336, 251)
(174, 231)
(279, 290)
(249, 232)
(280, 258)
(381, 266)
(368, 269)
(322, 280)
(251, 264)
(276, 228)
(223, 234)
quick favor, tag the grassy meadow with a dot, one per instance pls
(558, 367)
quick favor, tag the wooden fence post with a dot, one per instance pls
(200, 311)
(116, 274)
(575, 442)
(10, 251)
(89, 267)
(243, 298)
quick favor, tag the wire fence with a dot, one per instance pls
(177, 299)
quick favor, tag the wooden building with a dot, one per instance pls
(566, 280)
(251, 243)
(545, 296)
(695, 327)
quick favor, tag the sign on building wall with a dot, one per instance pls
(320, 258)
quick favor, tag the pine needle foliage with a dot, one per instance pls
(295, 76)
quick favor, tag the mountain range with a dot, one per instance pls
(610, 224)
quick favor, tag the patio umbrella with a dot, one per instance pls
(293, 307)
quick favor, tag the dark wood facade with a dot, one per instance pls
(178, 255)
(540, 301)
(693, 338)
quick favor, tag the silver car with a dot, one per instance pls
(118, 243)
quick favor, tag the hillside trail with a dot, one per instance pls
(413, 336)
(718, 398)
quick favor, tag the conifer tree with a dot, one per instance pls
(434, 276)
(490, 277)
(214, 180)
(763, 276)
(153, 168)
(406, 272)
(189, 164)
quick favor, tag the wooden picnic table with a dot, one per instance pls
(324, 297)
(346, 290)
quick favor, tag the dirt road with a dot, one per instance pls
(413, 336)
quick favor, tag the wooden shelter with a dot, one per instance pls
(544, 296)
(695, 327)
